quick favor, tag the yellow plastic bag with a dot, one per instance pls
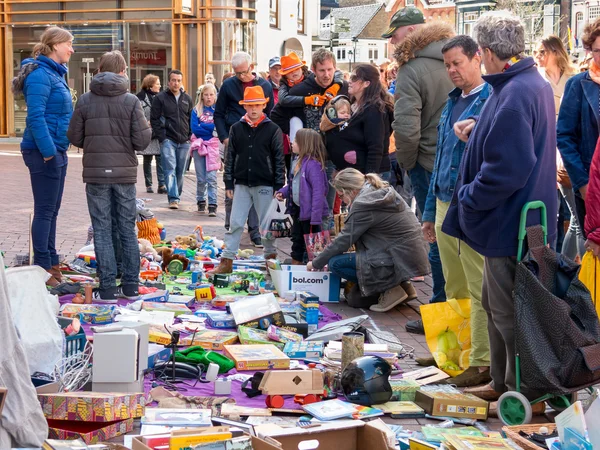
(448, 333)
(589, 274)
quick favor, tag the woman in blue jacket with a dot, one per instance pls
(44, 146)
(578, 118)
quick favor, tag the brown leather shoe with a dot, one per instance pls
(470, 377)
(426, 362)
(409, 289)
(295, 262)
(56, 273)
(225, 266)
(485, 392)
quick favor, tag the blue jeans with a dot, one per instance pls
(344, 266)
(206, 181)
(420, 179)
(329, 169)
(386, 176)
(244, 198)
(174, 161)
(47, 184)
(112, 210)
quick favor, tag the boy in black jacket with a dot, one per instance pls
(255, 167)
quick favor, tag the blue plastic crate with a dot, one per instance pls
(75, 343)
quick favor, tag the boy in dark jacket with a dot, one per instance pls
(109, 124)
(255, 167)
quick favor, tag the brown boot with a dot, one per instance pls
(295, 262)
(56, 273)
(52, 282)
(409, 289)
(225, 266)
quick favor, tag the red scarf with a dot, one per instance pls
(254, 124)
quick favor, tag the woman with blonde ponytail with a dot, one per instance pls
(42, 82)
(390, 249)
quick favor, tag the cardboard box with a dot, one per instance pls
(292, 382)
(338, 435)
(89, 432)
(214, 339)
(295, 278)
(300, 350)
(260, 311)
(282, 335)
(157, 353)
(257, 357)
(257, 444)
(96, 314)
(254, 336)
(160, 295)
(187, 300)
(92, 406)
(452, 405)
(221, 321)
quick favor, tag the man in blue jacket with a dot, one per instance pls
(462, 266)
(228, 111)
(509, 161)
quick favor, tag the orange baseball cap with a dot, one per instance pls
(254, 95)
(289, 63)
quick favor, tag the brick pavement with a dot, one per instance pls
(73, 222)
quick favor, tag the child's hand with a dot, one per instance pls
(309, 266)
(279, 196)
(229, 193)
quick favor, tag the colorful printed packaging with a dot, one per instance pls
(283, 335)
(257, 357)
(96, 314)
(300, 350)
(92, 406)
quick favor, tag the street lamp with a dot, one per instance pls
(350, 53)
(355, 40)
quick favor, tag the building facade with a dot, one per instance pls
(362, 43)
(583, 13)
(155, 36)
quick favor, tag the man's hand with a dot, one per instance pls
(593, 247)
(226, 143)
(332, 91)
(48, 158)
(583, 191)
(309, 266)
(279, 196)
(463, 129)
(229, 193)
(315, 100)
(429, 232)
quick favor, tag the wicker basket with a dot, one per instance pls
(513, 433)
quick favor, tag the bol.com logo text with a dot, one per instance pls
(304, 280)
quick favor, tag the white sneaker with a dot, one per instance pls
(106, 296)
(390, 299)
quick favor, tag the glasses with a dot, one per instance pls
(241, 74)
(354, 78)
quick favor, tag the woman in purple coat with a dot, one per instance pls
(306, 189)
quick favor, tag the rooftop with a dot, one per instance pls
(359, 16)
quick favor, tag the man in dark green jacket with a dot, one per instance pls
(422, 88)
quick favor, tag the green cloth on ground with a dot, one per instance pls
(197, 355)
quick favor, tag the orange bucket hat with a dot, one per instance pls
(289, 63)
(254, 95)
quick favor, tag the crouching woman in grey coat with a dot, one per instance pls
(390, 249)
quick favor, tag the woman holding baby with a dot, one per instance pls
(361, 139)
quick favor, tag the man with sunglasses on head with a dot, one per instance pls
(229, 111)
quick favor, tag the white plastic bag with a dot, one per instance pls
(277, 224)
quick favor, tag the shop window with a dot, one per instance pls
(274, 13)
(301, 17)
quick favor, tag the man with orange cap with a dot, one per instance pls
(255, 167)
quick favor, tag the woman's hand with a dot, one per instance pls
(279, 196)
(48, 158)
(590, 245)
(229, 193)
(309, 266)
(463, 129)
(429, 232)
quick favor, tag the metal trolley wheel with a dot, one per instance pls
(514, 409)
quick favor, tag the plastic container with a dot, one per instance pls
(73, 344)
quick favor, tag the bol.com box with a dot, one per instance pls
(296, 278)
